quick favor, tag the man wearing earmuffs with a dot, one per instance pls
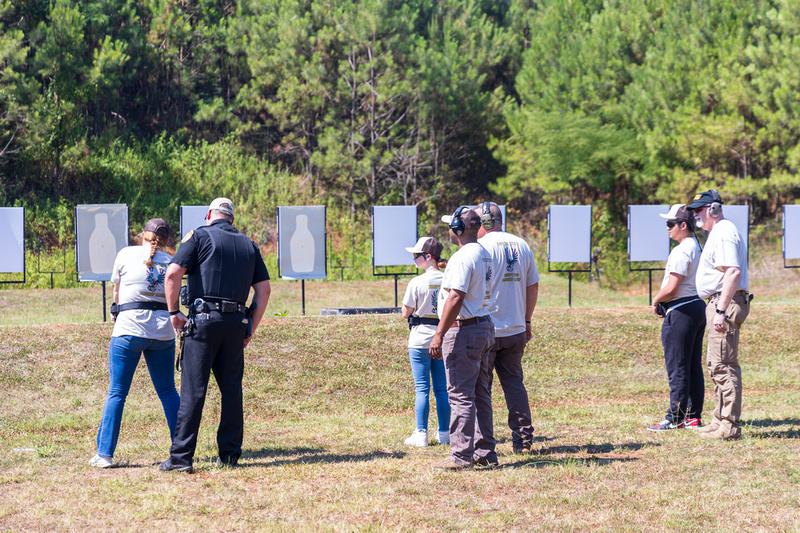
(464, 336)
(722, 280)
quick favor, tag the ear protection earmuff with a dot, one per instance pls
(715, 209)
(456, 224)
(486, 217)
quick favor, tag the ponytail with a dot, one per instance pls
(156, 242)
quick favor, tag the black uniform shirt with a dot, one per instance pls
(220, 262)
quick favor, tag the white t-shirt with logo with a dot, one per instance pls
(468, 271)
(422, 295)
(724, 248)
(683, 260)
(513, 271)
(138, 283)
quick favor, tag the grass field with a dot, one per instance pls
(329, 401)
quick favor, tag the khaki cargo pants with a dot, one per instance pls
(723, 363)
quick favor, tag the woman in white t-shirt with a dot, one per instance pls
(142, 326)
(684, 315)
(420, 308)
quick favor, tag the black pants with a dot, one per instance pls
(682, 338)
(217, 344)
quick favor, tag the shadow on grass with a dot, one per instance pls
(307, 455)
(762, 429)
(540, 458)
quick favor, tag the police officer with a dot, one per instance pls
(222, 264)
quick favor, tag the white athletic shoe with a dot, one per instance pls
(101, 462)
(443, 437)
(418, 438)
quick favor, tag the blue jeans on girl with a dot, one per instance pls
(123, 358)
(424, 367)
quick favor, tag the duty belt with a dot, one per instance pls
(151, 306)
(417, 320)
(223, 306)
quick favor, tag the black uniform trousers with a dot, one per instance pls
(216, 344)
(682, 338)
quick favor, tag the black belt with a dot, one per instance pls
(417, 320)
(471, 321)
(150, 306)
(224, 306)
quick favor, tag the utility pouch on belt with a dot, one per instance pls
(114, 310)
(185, 295)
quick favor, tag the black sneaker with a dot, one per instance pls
(167, 466)
(228, 461)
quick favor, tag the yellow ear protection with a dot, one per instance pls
(456, 224)
(715, 209)
(486, 217)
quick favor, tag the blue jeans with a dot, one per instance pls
(123, 358)
(424, 367)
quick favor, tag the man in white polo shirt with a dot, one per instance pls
(722, 279)
(464, 335)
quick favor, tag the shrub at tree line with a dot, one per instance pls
(157, 103)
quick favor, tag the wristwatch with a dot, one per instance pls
(720, 311)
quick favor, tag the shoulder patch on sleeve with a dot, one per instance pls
(187, 236)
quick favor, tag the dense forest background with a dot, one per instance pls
(354, 103)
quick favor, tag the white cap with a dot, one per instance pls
(223, 205)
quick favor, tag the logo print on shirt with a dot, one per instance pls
(435, 301)
(489, 273)
(155, 277)
(512, 258)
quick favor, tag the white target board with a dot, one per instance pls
(192, 217)
(394, 228)
(101, 230)
(740, 216)
(791, 232)
(648, 239)
(12, 239)
(569, 233)
(302, 234)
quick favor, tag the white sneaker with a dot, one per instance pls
(418, 438)
(443, 437)
(101, 462)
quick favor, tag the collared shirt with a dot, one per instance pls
(724, 248)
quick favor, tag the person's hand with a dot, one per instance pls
(178, 320)
(719, 323)
(247, 340)
(655, 311)
(436, 346)
(528, 332)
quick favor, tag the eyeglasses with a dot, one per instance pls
(417, 256)
(671, 224)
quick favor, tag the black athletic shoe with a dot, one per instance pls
(167, 466)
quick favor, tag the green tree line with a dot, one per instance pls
(353, 103)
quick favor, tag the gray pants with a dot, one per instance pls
(464, 350)
(505, 358)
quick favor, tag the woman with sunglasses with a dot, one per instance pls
(684, 324)
(420, 308)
